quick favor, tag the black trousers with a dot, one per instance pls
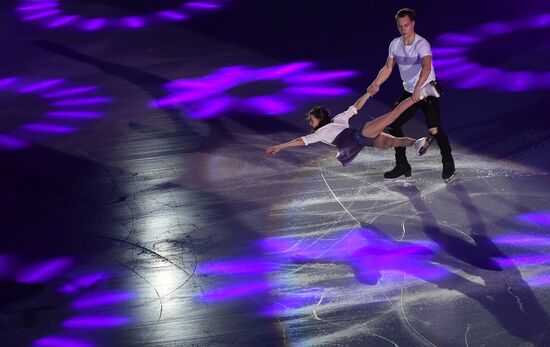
(430, 108)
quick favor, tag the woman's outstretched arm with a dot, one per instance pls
(300, 142)
(361, 101)
(294, 143)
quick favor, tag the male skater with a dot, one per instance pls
(413, 55)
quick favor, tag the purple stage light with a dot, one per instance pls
(44, 271)
(40, 6)
(283, 72)
(203, 5)
(103, 299)
(495, 28)
(93, 24)
(287, 86)
(317, 91)
(83, 282)
(524, 260)
(517, 239)
(89, 325)
(453, 64)
(68, 108)
(133, 22)
(69, 92)
(211, 108)
(458, 39)
(59, 341)
(448, 53)
(41, 14)
(48, 128)
(83, 101)
(185, 98)
(33, 88)
(11, 142)
(237, 291)
(320, 77)
(275, 245)
(243, 266)
(540, 281)
(16, 269)
(173, 15)
(537, 218)
(6, 82)
(368, 254)
(75, 114)
(61, 21)
(268, 105)
(539, 21)
(95, 322)
(50, 14)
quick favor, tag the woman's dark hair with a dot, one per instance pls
(321, 114)
(405, 12)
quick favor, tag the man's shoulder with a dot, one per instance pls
(396, 41)
(420, 39)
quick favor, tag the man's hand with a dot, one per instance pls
(373, 89)
(272, 149)
(416, 95)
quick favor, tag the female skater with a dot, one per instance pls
(336, 132)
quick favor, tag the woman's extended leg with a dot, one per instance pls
(374, 127)
(387, 141)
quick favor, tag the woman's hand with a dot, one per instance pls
(272, 149)
(277, 148)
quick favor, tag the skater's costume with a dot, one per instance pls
(349, 141)
(409, 60)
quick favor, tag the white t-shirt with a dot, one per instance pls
(408, 60)
(328, 133)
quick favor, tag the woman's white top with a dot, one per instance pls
(328, 133)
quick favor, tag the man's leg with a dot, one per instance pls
(430, 107)
(402, 166)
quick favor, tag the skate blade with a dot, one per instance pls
(424, 148)
(447, 180)
(400, 178)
